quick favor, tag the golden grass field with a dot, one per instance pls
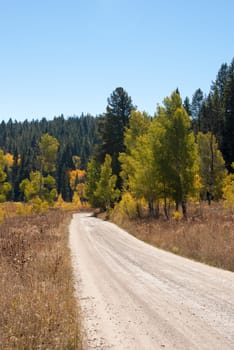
(207, 236)
(38, 309)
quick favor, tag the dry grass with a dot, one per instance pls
(37, 306)
(207, 236)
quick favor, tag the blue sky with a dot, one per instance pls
(67, 56)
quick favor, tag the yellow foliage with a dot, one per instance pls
(228, 191)
(24, 209)
(2, 214)
(9, 159)
(76, 203)
(60, 202)
(197, 188)
(197, 182)
(128, 205)
(75, 177)
(76, 200)
(177, 215)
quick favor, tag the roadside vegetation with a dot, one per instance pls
(206, 236)
(38, 309)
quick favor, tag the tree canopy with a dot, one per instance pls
(112, 127)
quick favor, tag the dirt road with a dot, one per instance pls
(134, 296)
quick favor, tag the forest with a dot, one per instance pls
(184, 152)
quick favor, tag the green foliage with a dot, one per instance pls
(217, 112)
(48, 147)
(176, 150)
(40, 188)
(196, 104)
(161, 158)
(137, 163)
(93, 176)
(76, 136)
(143, 181)
(138, 126)
(112, 127)
(211, 166)
(38, 205)
(32, 189)
(106, 191)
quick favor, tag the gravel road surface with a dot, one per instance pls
(134, 296)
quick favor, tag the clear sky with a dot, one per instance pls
(67, 56)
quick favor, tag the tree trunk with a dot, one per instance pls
(208, 196)
(40, 185)
(184, 209)
(151, 208)
(165, 207)
(138, 208)
(156, 210)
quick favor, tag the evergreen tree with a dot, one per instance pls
(112, 127)
(64, 187)
(187, 106)
(196, 104)
(228, 140)
(76, 135)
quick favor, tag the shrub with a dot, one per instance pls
(128, 206)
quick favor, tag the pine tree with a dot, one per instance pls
(187, 106)
(196, 104)
(112, 127)
(228, 147)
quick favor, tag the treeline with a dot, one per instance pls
(167, 159)
(163, 165)
(184, 151)
(215, 112)
(75, 135)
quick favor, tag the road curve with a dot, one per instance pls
(134, 296)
